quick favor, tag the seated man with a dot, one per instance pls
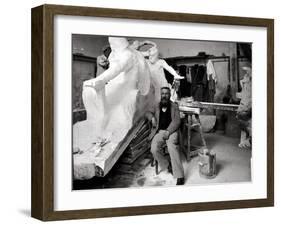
(165, 118)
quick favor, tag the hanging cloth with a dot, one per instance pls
(211, 71)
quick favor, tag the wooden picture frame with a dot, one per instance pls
(42, 203)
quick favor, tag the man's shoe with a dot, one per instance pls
(170, 170)
(180, 181)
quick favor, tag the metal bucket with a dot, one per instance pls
(207, 165)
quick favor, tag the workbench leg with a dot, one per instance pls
(189, 121)
(201, 131)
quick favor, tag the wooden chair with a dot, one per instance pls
(154, 162)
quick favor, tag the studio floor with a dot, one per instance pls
(233, 165)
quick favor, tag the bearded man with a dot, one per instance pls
(165, 119)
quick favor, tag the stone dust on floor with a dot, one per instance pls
(233, 165)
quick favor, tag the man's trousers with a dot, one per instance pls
(172, 143)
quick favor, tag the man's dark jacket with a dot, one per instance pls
(175, 116)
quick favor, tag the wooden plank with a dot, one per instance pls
(130, 160)
(133, 168)
(207, 105)
(105, 165)
(142, 130)
(136, 151)
(139, 139)
(139, 145)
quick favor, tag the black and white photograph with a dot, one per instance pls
(160, 112)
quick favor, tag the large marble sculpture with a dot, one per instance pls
(244, 111)
(157, 67)
(114, 101)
